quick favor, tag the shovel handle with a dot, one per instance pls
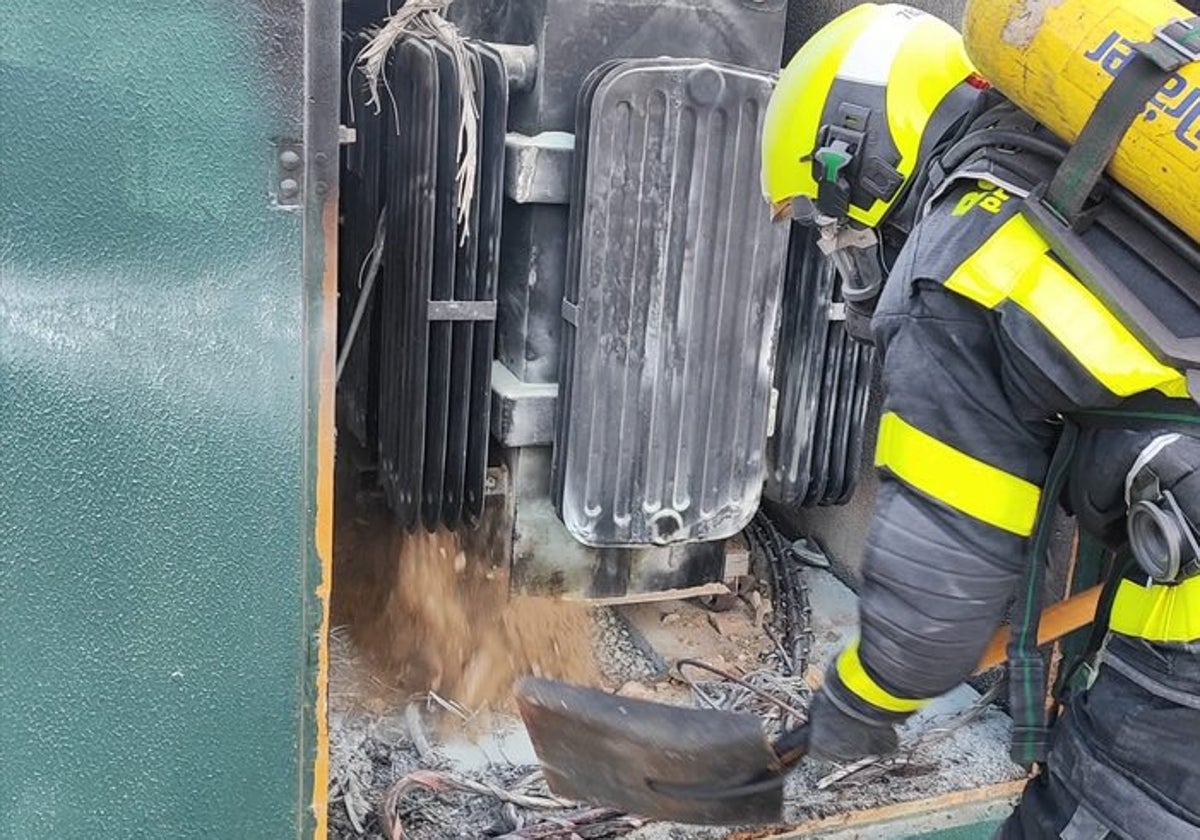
(1057, 621)
(791, 745)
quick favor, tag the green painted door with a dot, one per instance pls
(165, 417)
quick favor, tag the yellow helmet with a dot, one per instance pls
(858, 105)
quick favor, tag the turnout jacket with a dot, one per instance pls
(986, 340)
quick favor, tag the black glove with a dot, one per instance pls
(838, 731)
(858, 321)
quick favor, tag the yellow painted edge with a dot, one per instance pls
(326, 432)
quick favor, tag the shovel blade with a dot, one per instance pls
(651, 759)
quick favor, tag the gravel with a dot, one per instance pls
(622, 657)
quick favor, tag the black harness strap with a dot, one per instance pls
(1124, 100)
(1108, 594)
(1026, 667)
(1027, 670)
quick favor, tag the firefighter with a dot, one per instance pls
(989, 349)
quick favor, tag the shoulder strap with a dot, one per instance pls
(1146, 411)
(1174, 46)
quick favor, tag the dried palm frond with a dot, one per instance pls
(426, 19)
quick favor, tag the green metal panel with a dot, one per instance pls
(163, 331)
(975, 831)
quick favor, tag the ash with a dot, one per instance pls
(466, 774)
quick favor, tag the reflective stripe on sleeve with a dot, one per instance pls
(854, 676)
(954, 478)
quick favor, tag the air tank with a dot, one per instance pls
(1055, 59)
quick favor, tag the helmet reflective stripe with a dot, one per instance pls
(871, 57)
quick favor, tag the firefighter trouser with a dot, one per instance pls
(1125, 758)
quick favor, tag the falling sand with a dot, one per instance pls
(425, 616)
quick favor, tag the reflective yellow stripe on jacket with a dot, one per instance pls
(1158, 613)
(1014, 264)
(954, 478)
(854, 676)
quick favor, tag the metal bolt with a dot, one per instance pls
(288, 159)
(489, 484)
(321, 158)
(288, 188)
(705, 85)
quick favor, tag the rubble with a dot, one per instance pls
(731, 625)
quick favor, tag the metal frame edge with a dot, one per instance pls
(322, 86)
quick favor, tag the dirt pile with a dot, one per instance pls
(427, 617)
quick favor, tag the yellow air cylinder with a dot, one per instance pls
(1055, 59)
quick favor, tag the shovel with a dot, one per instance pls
(685, 765)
